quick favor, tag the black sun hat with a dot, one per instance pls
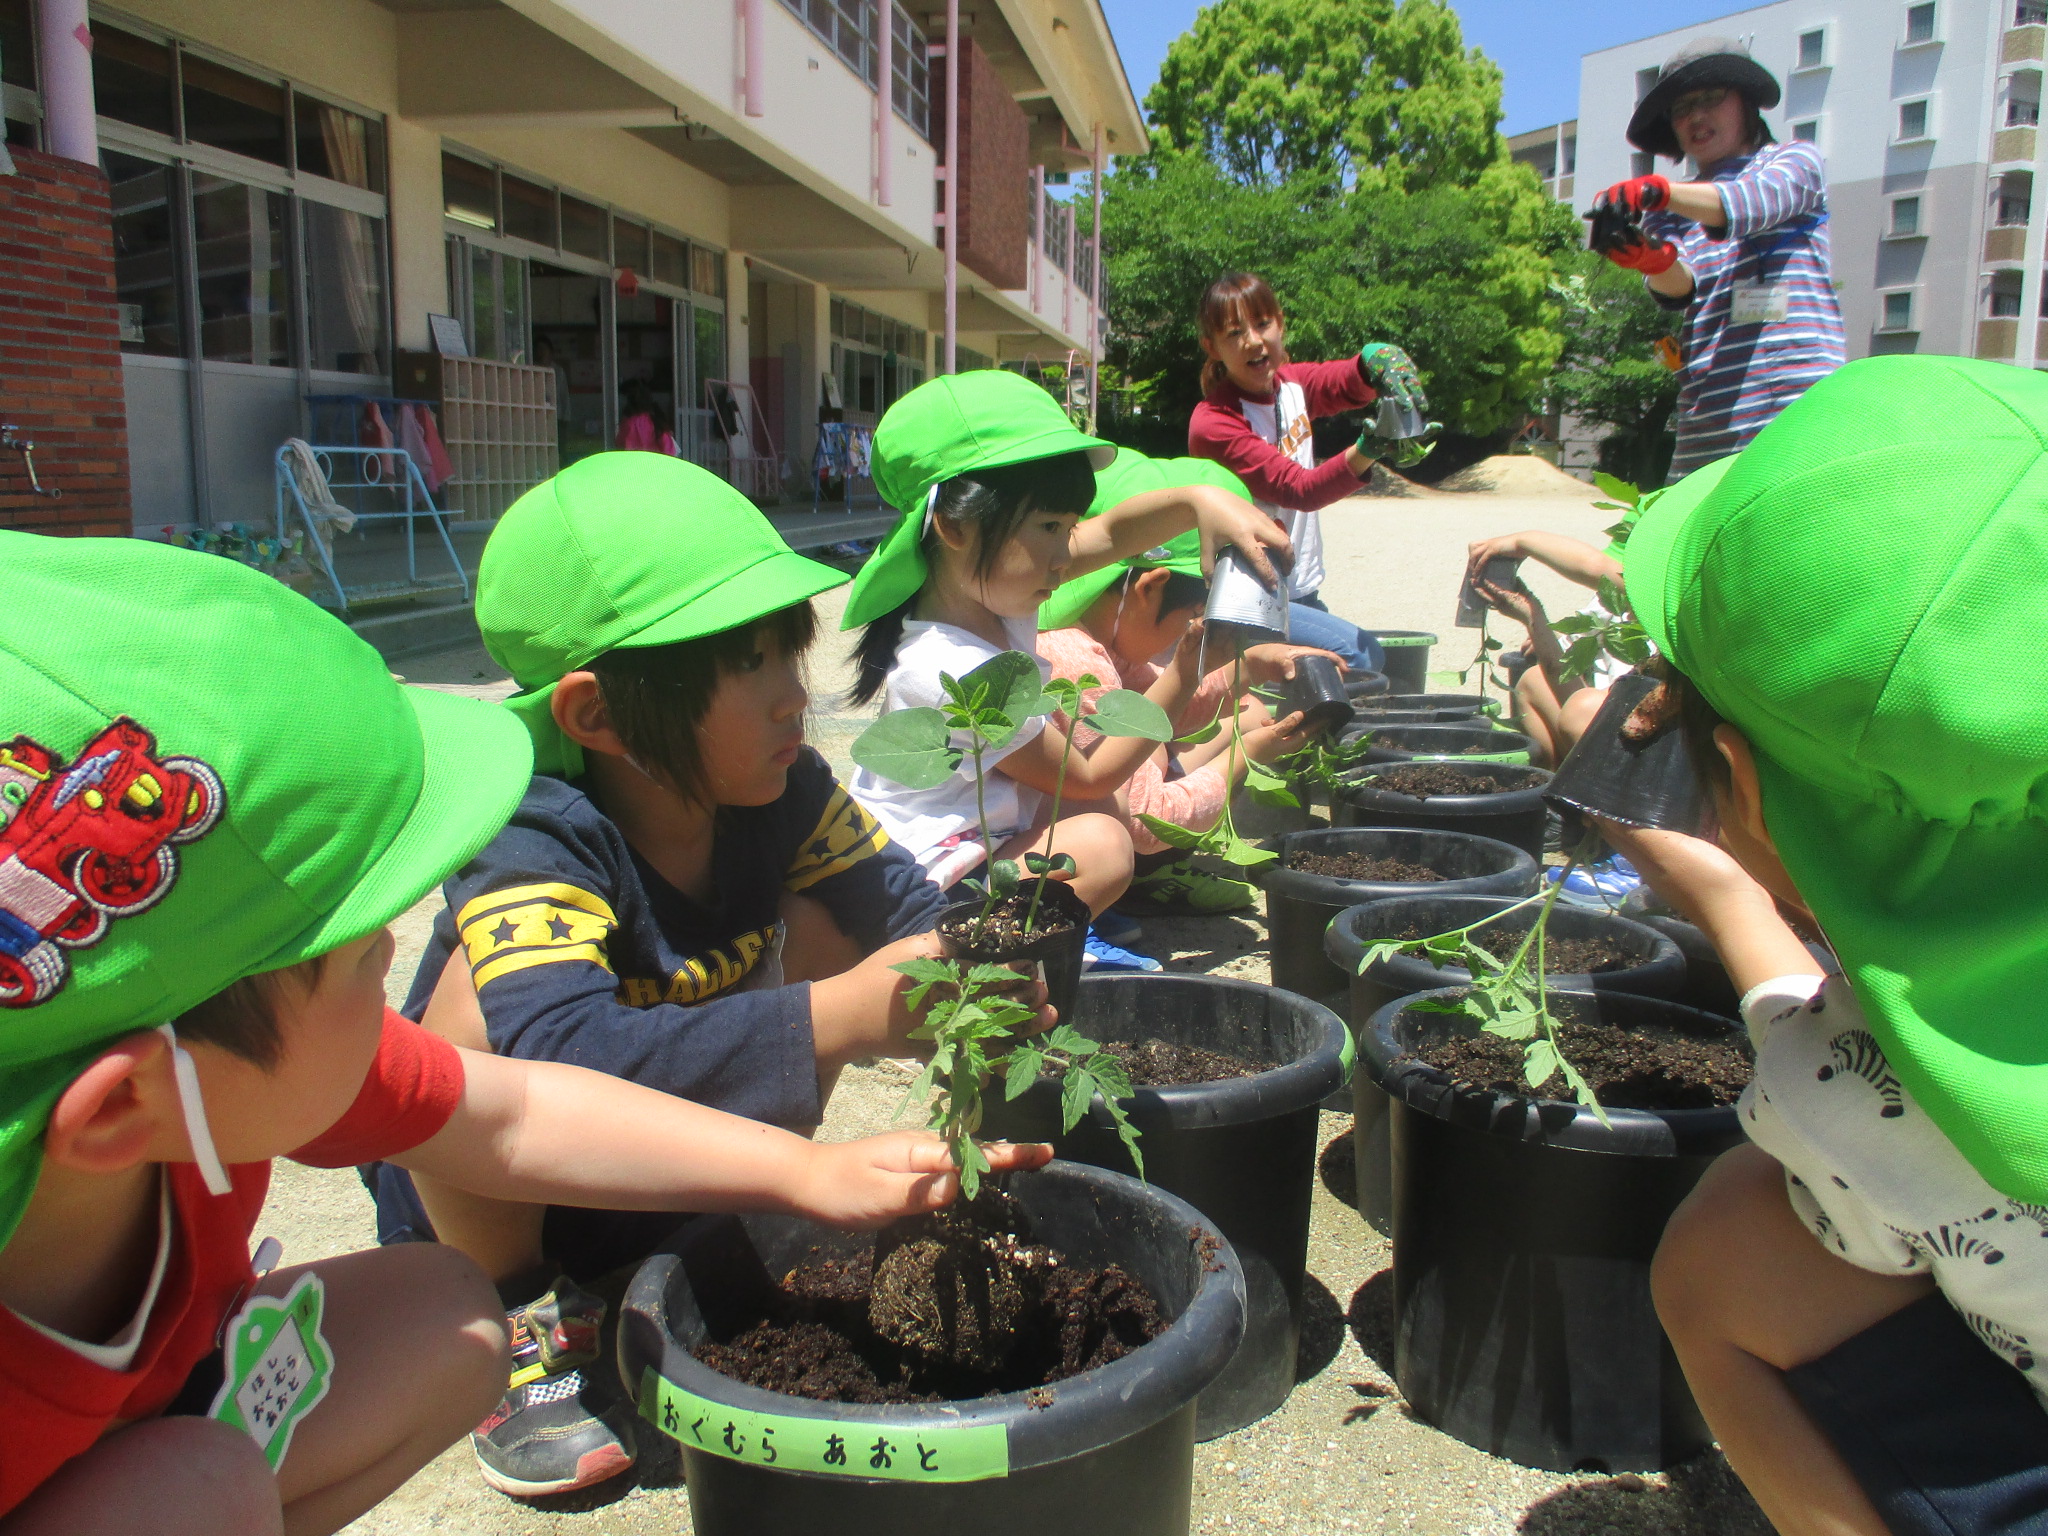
(1700, 65)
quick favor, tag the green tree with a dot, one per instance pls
(1611, 374)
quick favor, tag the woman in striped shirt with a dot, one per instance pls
(1743, 251)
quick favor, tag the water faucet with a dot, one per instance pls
(12, 440)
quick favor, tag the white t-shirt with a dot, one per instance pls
(1298, 441)
(1874, 1178)
(923, 820)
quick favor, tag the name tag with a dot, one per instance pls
(1759, 304)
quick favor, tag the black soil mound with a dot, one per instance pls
(1166, 1064)
(1627, 1069)
(1359, 866)
(1423, 780)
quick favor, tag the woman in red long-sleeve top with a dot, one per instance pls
(1256, 420)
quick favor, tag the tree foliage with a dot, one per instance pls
(1610, 372)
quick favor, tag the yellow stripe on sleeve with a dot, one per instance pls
(518, 895)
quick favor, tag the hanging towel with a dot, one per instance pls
(420, 438)
(377, 434)
(322, 510)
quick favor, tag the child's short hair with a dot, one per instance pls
(1697, 721)
(1182, 591)
(244, 1018)
(656, 695)
(1235, 298)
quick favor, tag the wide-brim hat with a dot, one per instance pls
(1699, 66)
(944, 428)
(1860, 593)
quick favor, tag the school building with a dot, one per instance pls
(745, 223)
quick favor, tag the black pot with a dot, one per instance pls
(1511, 816)
(1661, 973)
(1365, 685)
(1707, 986)
(1523, 1233)
(1317, 690)
(1442, 708)
(1300, 906)
(1402, 743)
(1255, 820)
(1241, 1151)
(1648, 785)
(1109, 1451)
(1407, 663)
(1059, 955)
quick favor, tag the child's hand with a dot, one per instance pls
(1694, 875)
(1226, 519)
(1266, 665)
(869, 1183)
(1285, 735)
(862, 1012)
(1516, 602)
(1187, 651)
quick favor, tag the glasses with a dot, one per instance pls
(1698, 101)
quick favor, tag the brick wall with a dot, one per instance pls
(995, 170)
(60, 349)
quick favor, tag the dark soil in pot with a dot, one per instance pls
(1108, 1451)
(1477, 740)
(1523, 1233)
(1168, 1064)
(1056, 941)
(1360, 866)
(1485, 799)
(1707, 986)
(1241, 1149)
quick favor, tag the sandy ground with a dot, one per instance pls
(1343, 1454)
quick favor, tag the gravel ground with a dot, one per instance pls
(1343, 1454)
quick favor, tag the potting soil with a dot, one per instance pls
(1359, 866)
(1002, 931)
(1627, 1069)
(1561, 957)
(1425, 779)
(1167, 1064)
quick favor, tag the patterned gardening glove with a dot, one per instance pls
(1621, 240)
(1391, 372)
(1637, 195)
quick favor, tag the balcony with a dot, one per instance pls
(1997, 340)
(2006, 244)
(2013, 147)
(2022, 44)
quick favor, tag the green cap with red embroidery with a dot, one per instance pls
(202, 776)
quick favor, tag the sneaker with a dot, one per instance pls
(1101, 956)
(1119, 928)
(1183, 888)
(1603, 885)
(558, 1427)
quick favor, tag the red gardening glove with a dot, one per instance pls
(1648, 257)
(1639, 194)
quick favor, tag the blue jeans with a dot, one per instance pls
(1310, 623)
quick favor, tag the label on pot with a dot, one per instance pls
(907, 1453)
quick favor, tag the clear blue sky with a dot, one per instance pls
(1536, 43)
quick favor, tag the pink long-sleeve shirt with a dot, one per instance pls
(1196, 799)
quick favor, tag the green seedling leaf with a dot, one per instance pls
(1075, 1095)
(1038, 863)
(1582, 1091)
(1171, 835)
(1063, 864)
(1025, 1064)
(1267, 787)
(1003, 878)
(1121, 712)
(1069, 1041)
(1062, 695)
(1236, 850)
(1539, 1061)
(1612, 599)
(1126, 1132)
(909, 747)
(1200, 734)
(1575, 624)
(1008, 684)
(1437, 1005)
(1621, 490)
(1386, 949)
(1112, 1077)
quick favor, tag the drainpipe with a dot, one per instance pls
(952, 214)
(885, 101)
(754, 26)
(64, 41)
(1095, 286)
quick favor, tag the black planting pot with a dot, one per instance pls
(1523, 1234)
(1407, 663)
(1241, 1151)
(1300, 906)
(1661, 973)
(1365, 685)
(1511, 816)
(1110, 1451)
(1254, 819)
(1472, 742)
(1707, 986)
(1646, 785)
(1442, 708)
(1059, 954)
(1317, 690)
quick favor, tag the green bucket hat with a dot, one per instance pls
(624, 550)
(1860, 592)
(944, 428)
(247, 783)
(1131, 475)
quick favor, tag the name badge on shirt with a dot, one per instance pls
(1759, 304)
(277, 1366)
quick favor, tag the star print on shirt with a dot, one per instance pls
(845, 835)
(549, 923)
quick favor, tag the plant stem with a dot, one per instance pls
(988, 843)
(1059, 785)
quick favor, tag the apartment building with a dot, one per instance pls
(1552, 153)
(1926, 112)
(734, 216)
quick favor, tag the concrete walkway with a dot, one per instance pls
(1343, 1454)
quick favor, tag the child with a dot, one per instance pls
(191, 835)
(1114, 624)
(1256, 419)
(685, 897)
(1860, 1299)
(991, 479)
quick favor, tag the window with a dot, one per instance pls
(583, 229)
(146, 276)
(1920, 23)
(1571, 157)
(1807, 132)
(876, 359)
(131, 80)
(2029, 13)
(629, 247)
(670, 260)
(1897, 314)
(707, 271)
(1813, 48)
(1913, 118)
(2015, 206)
(1646, 81)
(852, 29)
(2005, 303)
(234, 111)
(2020, 112)
(238, 237)
(529, 211)
(912, 67)
(469, 192)
(345, 331)
(341, 145)
(1905, 217)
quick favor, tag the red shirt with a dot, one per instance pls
(1218, 430)
(56, 1404)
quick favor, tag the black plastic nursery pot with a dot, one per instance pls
(1445, 708)
(1255, 819)
(1407, 652)
(1640, 783)
(1515, 814)
(1660, 972)
(1365, 685)
(1317, 690)
(1707, 986)
(1110, 1451)
(1476, 742)
(1242, 1151)
(1301, 905)
(1523, 1232)
(1059, 954)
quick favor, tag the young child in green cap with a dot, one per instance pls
(199, 852)
(685, 897)
(1860, 1297)
(1113, 625)
(991, 480)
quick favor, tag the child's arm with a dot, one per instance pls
(1571, 559)
(876, 892)
(1220, 432)
(1143, 521)
(551, 1134)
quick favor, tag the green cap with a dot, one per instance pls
(202, 776)
(1133, 474)
(1859, 592)
(622, 550)
(942, 429)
